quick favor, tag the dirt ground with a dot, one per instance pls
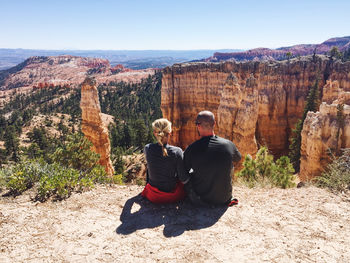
(114, 224)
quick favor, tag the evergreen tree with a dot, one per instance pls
(118, 161)
(127, 140)
(312, 104)
(76, 153)
(141, 134)
(2, 157)
(150, 138)
(12, 143)
(335, 53)
(34, 151)
(3, 125)
(40, 137)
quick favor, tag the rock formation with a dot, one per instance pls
(66, 70)
(255, 103)
(327, 131)
(92, 124)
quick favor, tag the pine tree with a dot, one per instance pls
(312, 104)
(141, 135)
(127, 140)
(12, 143)
(40, 137)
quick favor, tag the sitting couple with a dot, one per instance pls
(203, 171)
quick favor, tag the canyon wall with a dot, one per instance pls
(326, 131)
(93, 125)
(255, 103)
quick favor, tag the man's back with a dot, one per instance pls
(211, 159)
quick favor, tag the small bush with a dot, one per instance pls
(283, 173)
(336, 176)
(76, 153)
(118, 179)
(22, 176)
(60, 183)
(53, 179)
(264, 171)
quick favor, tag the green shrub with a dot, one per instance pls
(22, 176)
(60, 183)
(264, 171)
(63, 181)
(53, 179)
(283, 173)
(249, 173)
(336, 176)
(76, 153)
(118, 179)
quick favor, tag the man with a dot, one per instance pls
(209, 163)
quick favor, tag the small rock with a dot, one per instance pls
(300, 184)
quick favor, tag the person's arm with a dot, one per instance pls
(236, 156)
(145, 153)
(187, 161)
(180, 169)
(191, 194)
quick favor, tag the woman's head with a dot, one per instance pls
(162, 130)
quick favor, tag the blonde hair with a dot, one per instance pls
(161, 128)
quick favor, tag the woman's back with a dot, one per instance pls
(164, 171)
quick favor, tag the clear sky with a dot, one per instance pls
(163, 24)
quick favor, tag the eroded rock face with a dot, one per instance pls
(66, 70)
(255, 103)
(92, 124)
(327, 131)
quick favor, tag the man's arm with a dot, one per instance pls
(191, 194)
(180, 169)
(236, 155)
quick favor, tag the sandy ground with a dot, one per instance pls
(113, 224)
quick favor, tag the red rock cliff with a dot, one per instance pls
(92, 124)
(327, 129)
(254, 102)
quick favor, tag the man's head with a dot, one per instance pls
(205, 123)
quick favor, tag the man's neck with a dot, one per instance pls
(206, 134)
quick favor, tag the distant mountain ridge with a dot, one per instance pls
(343, 43)
(134, 59)
(43, 71)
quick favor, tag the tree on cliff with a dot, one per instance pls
(141, 134)
(312, 104)
(335, 53)
(289, 55)
(12, 143)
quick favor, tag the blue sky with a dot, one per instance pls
(178, 24)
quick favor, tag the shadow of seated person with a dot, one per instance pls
(176, 218)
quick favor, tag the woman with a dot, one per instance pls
(165, 172)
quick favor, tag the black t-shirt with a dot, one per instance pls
(164, 171)
(209, 163)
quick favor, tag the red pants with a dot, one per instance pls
(156, 196)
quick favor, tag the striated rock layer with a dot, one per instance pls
(66, 70)
(255, 103)
(92, 124)
(327, 131)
